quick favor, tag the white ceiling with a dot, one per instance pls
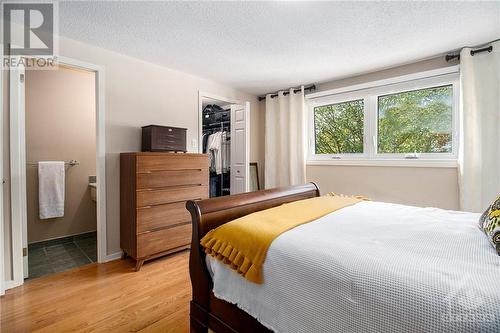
(260, 47)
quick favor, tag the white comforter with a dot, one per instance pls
(374, 267)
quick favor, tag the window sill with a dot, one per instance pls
(388, 163)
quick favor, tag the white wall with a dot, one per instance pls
(437, 187)
(137, 94)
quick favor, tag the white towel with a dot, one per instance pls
(51, 189)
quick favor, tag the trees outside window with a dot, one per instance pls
(339, 128)
(418, 121)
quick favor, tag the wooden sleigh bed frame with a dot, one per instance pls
(207, 311)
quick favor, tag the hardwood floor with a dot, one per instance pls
(108, 297)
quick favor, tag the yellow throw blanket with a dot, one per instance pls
(243, 243)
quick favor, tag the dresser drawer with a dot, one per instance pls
(155, 217)
(169, 195)
(147, 163)
(162, 240)
(154, 179)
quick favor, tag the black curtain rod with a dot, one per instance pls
(310, 88)
(450, 57)
(484, 49)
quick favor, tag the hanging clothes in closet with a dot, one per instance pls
(216, 143)
(214, 150)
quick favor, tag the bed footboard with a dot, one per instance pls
(206, 311)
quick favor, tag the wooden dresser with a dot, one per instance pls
(154, 188)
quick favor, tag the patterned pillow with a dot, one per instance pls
(489, 222)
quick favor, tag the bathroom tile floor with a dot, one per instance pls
(61, 254)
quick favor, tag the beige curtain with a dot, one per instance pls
(479, 155)
(285, 148)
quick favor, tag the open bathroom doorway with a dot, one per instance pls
(57, 163)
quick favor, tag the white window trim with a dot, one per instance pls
(370, 92)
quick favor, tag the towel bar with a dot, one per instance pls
(66, 163)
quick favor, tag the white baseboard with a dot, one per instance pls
(113, 256)
(9, 284)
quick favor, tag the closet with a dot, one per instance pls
(224, 138)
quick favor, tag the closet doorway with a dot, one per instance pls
(224, 135)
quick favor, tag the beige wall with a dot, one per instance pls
(420, 66)
(437, 187)
(137, 94)
(60, 125)
(426, 187)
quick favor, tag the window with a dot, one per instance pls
(338, 128)
(418, 121)
(408, 118)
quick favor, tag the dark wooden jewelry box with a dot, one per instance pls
(157, 138)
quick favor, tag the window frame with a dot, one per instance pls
(370, 92)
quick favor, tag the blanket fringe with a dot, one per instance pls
(230, 256)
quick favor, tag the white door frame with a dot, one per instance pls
(17, 173)
(18, 167)
(202, 95)
(2, 179)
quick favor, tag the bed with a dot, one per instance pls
(371, 267)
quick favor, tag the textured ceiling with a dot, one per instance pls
(264, 46)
